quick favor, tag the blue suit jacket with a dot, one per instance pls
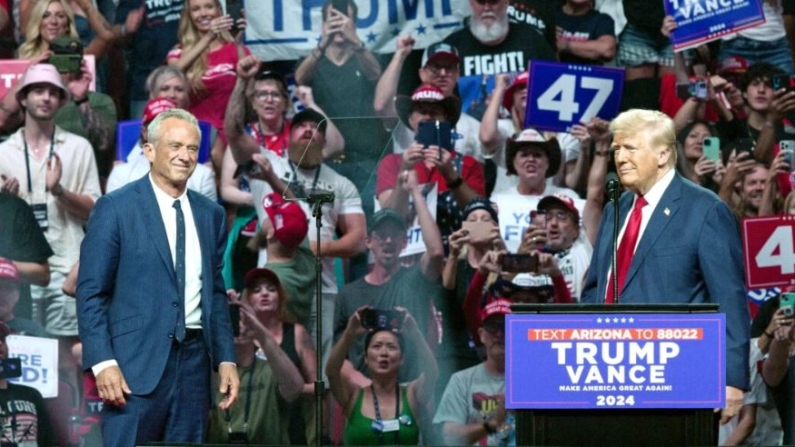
(127, 298)
(690, 252)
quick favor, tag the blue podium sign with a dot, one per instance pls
(702, 21)
(602, 361)
(561, 95)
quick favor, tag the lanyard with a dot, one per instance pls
(314, 182)
(378, 412)
(261, 138)
(27, 160)
(227, 416)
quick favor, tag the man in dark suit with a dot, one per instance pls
(679, 244)
(152, 309)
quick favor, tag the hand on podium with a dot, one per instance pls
(734, 401)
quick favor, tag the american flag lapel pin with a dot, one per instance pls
(667, 212)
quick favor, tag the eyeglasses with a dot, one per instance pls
(561, 216)
(383, 236)
(488, 2)
(448, 68)
(276, 96)
(494, 327)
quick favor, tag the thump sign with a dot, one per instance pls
(615, 361)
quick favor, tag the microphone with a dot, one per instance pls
(613, 186)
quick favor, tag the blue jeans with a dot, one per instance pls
(776, 53)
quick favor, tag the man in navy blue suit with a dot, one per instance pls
(152, 308)
(681, 242)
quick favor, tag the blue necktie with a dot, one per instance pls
(180, 270)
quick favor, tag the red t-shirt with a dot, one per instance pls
(219, 80)
(389, 169)
(275, 142)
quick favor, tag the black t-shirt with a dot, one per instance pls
(645, 14)
(21, 239)
(22, 407)
(456, 341)
(589, 26)
(522, 44)
(540, 14)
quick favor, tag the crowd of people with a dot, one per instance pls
(425, 217)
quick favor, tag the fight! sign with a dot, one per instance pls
(603, 361)
(702, 21)
(769, 251)
(562, 95)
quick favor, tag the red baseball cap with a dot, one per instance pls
(519, 81)
(289, 220)
(155, 107)
(8, 270)
(559, 199)
(497, 307)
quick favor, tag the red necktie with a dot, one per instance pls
(626, 249)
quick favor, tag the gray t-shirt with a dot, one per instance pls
(408, 288)
(470, 397)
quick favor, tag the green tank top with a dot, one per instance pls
(359, 430)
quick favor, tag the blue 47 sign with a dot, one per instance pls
(561, 95)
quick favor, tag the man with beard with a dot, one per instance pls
(300, 175)
(55, 172)
(489, 44)
(472, 410)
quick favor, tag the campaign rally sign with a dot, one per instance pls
(602, 361)
(702, 21)
(287, 29)
(39, 358)
(414, 243)
(562, 95)
(769, 251)
(514, 217)
(12, 70)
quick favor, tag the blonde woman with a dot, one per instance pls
(48, 20)
(208, 54)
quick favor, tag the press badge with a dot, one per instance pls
(390, 425)
(40, 213)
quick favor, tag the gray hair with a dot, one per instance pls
(153, 129)
(162, 72)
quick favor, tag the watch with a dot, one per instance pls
(455, 183)
(81, 101)
(488, 428)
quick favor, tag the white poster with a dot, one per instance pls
(289, 29)
(39, 358)
(414, 242)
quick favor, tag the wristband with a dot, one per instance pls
(455, 183)
(360, 48)
(57, 191)
(80, 102)
(488, 428)
(770, 336)
(770, 124)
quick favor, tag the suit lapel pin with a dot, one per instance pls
(667, 212)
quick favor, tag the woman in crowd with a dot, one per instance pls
(691, 161)
(51, 19)
(168, 82)
(208, 55)
(383, 413)
(268, 299)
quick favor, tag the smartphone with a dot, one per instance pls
(478, 229)
(788, 148)
(787, 302)
(711, 148)
(234, 316)
(698, 89)
(435, 133)
(10, 368)
(341, 6)
(381, 319)
(250, 168)
(783, 81)
(519, 263)
(234, 8)
(745, 145)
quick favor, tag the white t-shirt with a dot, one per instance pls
(466, 137)
(771, 30)
(346, 201)
(470, 397)
(573, 263)
(514, 210)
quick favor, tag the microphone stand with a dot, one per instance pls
(317, 201)
(614, 192)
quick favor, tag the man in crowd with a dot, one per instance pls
(56, 173)
(472, 410)
(439, 68)
(388, 284)
(489, 44)
(667, 211)
(586, 36)
(152, 307)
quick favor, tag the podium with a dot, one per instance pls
(551, 416)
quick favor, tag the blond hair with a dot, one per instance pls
(658, 126)
(34, 43)
(188, 37)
